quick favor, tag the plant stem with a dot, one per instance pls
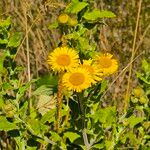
(59, 102)
(82, 111)
(85, 138)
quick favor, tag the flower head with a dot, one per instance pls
(63, 18)
(77, 79)
(63, 58)
(93, 70)
(72, 22)
(106, 63)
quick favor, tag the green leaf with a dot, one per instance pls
(103, 86)
(5, 23)
(84, 43)
(31, 148)
(3, 41)
(140, 76)
(53, 25)
(109, 144)
(75, 6)
(5, 125)
(96, 14)
(22, 90)
(7, 86)
(71, 136)
(55, 137)
(99, 146)
(145, 66)
(134, 120)
(50, 80)
(77, 34)
(23, 110)
(107, 116)
(132, 138)
(48, 116)
(36, 127)
(15, 40)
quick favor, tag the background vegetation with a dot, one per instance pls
(28, 32)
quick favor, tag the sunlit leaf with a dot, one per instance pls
(107, 116)
(3, 41)
(145, 66)
(5, 23)
(23, 110)
(75, 6)
(96, 14)
(49, 116)
(15, 40)
(5, 125)
(71, 136)
(36, 126)
(140, 76)
(84, 43)
(53, 25)
(134, 121)
(103, 86)
(55, 136)
(99, 146)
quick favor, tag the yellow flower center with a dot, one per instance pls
(63, 60)
(105, 62)
(77, 78)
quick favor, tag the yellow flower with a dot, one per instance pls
(93, 70)
(77, 79)
(63, 18)
(138, 92)
(63, 58)
(106, 63)
(72, 22)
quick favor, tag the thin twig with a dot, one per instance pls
(132, 56)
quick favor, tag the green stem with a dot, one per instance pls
(82, 112)
(81, 108)
(59, 103)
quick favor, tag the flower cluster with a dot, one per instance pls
(66, 19)
(79, 76)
